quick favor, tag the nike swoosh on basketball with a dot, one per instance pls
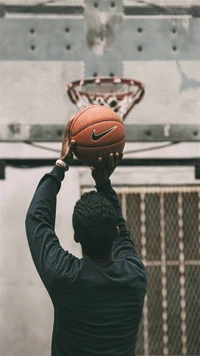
(96, 137)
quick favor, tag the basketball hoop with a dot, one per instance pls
(116, 93)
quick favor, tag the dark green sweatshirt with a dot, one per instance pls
(97, 307)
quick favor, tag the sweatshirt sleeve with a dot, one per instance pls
(123, 245)
(51, 260)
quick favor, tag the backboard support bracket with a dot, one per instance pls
(24, 163)
(134, 133)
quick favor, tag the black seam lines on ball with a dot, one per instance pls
(93, 123)
(104, 145)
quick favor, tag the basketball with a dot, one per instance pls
(97, 131)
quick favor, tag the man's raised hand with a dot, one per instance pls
(67, 145)
(103, 170)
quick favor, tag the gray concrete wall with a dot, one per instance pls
(26, 314)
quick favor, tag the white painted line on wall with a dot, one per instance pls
(182, 275)
(164, 277)
(143, 254)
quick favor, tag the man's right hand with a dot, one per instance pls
(102, 171)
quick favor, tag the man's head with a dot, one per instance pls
(95, 225)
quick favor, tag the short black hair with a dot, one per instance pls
(94, 222)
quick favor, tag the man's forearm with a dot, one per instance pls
(44, 199)
(107, 189)
(40, 224)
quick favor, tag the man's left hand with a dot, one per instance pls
(67, 145)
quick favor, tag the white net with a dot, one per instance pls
(119, 95)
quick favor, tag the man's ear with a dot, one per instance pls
(117, 228)
(76, 238)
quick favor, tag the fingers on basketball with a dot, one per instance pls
(100, 164)
(71, 119)
(111, 162)
(116, 159)
(67, 129)
(92, 168)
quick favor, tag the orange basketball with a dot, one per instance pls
(97, 131)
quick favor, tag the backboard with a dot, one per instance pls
(45, 46)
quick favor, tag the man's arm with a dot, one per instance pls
(51, 261)
(107, 189)
(123, 245)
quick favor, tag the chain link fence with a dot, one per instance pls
(165, 226)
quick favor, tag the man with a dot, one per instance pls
(98, 299)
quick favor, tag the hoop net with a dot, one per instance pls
(118, 94)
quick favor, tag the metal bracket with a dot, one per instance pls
(134, 133)
(2, 169)
(159, 133)
(197, 169)
(132, 162)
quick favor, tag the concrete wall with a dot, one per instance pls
(26, 315)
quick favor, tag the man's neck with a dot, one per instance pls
(105, 261)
